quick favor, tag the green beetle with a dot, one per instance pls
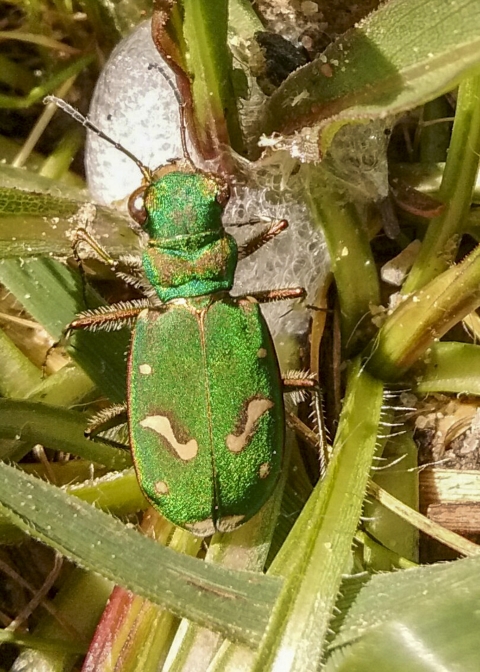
(205, 405)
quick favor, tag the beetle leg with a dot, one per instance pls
(256, 242)
(299, 386)
(127, 266)
(131, 263)
(130, 269)
(316, 440)
(303, 431)
(83, 236)
(105, 318)
(108, 318)
(298, 381)
(106, 419)
(253, 221)
(267, 296)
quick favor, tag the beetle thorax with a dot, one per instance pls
(189, 253)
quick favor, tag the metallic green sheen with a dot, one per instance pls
(182, 204)
(200, 363)
(186, 266)
(189, 254)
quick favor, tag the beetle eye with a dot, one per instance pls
(136, 206)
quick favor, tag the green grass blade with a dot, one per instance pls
(36, 94)
(424, 317)
(318, 550)
(36, 224)
(403, 632)
(440, 245)
(449, 367)
(57, 428)
(404, 54)
(53, 295)
(235, 604)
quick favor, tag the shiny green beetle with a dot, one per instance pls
(205, 402)
(205, 406)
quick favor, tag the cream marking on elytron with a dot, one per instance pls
(256, 408)
(145, 369)
(264, 470)
(161, 488)
(161, 425)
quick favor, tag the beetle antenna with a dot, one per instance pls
(78, 116)
(181, 110)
